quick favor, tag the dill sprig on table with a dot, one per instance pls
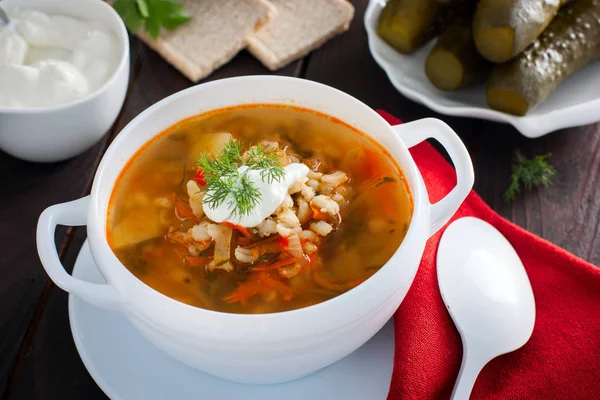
(534, 172)
(224, 178)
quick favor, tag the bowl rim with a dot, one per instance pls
(420, 213)
(123, 39)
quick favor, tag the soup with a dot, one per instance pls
(258, 209)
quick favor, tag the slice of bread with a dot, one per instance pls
(299, 27)
(218, 30)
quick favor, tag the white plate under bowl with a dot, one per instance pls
(128, 367)
(575, 102)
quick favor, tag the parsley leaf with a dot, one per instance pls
(143, 8)
(151, 14)
(129, 12)
(534, 172)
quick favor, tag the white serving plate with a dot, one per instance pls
(576, 101)
(128, 367)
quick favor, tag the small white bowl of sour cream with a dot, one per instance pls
(63, 77)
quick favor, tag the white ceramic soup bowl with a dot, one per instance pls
(64, 131)
(262, 348)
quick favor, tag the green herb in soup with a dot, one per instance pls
(258, 209)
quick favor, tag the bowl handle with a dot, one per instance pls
(413, 133)
(73, 213)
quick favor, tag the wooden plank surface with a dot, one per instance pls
(27, 190)
(568, 213)
(52, 368)
(49, 367)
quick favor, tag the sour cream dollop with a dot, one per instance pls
(271, 196)
(53, 60)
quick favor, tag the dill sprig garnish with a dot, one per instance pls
(269, 164)
(227, 181)
(534, 172)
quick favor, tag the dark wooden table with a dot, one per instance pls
(38, 359)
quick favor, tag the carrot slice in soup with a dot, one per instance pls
(318, 214)
(245, 291)
(183, 210)
(277, 264)
(279, 286)
(239, 228)
(260, 283)
(196, 261)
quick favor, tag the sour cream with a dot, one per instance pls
(271, 196)
(53, 60)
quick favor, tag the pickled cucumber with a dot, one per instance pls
(454, 62)
(503, 28)
(571, 41)
(407, 24)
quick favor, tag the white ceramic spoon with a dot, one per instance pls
(487, 293)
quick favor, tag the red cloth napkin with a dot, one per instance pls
(562, 358)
